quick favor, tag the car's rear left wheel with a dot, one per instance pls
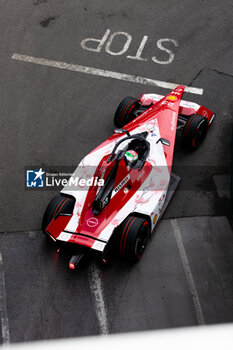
(134, 235)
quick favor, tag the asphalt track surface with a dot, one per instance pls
(54, 117)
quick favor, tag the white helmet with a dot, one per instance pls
(131, 157)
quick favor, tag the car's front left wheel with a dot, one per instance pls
(125, 111)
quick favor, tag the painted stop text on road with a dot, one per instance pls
(106, 42)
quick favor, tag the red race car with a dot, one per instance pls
(129, 176)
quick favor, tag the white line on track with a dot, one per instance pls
(97, 291)
(3, 309)
(188, 272)
(103, 73)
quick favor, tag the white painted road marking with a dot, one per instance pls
(128, 39)
(103, 73)
(140, 49)
(96, 289)
(125, 47)
(99, 41)
(3, 309)
(169, 52)
(188, 272)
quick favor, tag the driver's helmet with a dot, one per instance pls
(131, 157)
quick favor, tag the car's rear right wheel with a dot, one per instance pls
(134, 235)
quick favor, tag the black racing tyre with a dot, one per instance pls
(124, 112)
(195, 131)
(59, 204)
(134, 235)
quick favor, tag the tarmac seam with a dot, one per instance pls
(196, 76)
(188, 273)
(210, 69)
(221, 73)
(97, 291)
(3, 308)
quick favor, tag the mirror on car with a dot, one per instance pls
(122, 131)
(164, 141)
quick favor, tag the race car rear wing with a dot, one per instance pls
(186, 108)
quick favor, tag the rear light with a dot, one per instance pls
(72, 266)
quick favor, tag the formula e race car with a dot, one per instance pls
(118, 210)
